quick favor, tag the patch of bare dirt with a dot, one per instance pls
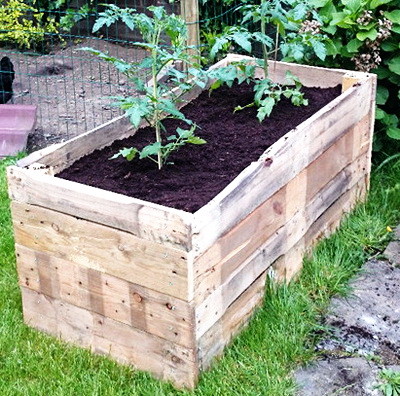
(71, 88)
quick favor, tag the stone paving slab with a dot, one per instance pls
(349, 376)
(392, 252)
(364, 326)
(368, 321)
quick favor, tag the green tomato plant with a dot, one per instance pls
(164, 39)
(284, 16)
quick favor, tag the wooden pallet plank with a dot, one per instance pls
(262, 179)
(163, 358)
(310, 76)
(237, 315)
(282, 240)
(167, 226)
(156, 313)
(286, 267)
(232, 249)
(105, 249)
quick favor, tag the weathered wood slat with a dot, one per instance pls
(63, 154)
(213, 307)
(167, 226)
(238, 314)
(166, 290)
(102, 248)
(310, 76)
(60, 156)
(164, 316)
(262, 179)
(128, 345)
(233, 248)
(286, 267)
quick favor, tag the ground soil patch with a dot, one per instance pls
(198, 173)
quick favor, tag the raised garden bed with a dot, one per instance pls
(164, 289)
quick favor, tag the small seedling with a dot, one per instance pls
(164, 39)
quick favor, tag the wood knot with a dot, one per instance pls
(55, 227)
(137, 297)
(278, 208)
(268, 162)
(175, 359)
(169, 306)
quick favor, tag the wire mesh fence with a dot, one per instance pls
(72, 88)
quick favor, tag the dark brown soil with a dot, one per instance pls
(199, 173)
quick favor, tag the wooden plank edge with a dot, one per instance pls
(214, 262)
(270, 251)
(236, 317)
(288, 266)
(105, 249)
(143, 219)
(164, 359)
(155, 313)
(212, 210)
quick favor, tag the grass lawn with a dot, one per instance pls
(280, 337)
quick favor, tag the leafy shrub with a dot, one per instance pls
(23, 25)
(365, 35)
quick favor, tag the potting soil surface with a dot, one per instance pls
(198, 172)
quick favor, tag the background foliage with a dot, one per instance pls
(365, 35)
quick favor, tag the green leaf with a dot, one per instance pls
(329, 29)
(353, 45)
(393, 16)
(394, 65)
(318, 3)
(382, 94)
(394, 133)
(215, 85)
(390, 45)
(242, 39)
(100, 22)
(352, 5)
(369, 34)
(300, 11)
(196, 140)
(151, 149)
(127, 153)
(184, 133)
(218, 45)
(265, 109)
(376, 3)
(331, 48)
(319, 49)
(379, 114)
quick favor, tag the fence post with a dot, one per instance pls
(190, 13)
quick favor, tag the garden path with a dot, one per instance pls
(365, 333)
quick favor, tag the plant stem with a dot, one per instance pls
(264, 47)
(156, 116)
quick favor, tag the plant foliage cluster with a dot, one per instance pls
(23, 25)
(365, 35)
(27, 23)
(164, 37)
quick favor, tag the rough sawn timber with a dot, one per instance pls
(165, 290)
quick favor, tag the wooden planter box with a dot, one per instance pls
(165, 290)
